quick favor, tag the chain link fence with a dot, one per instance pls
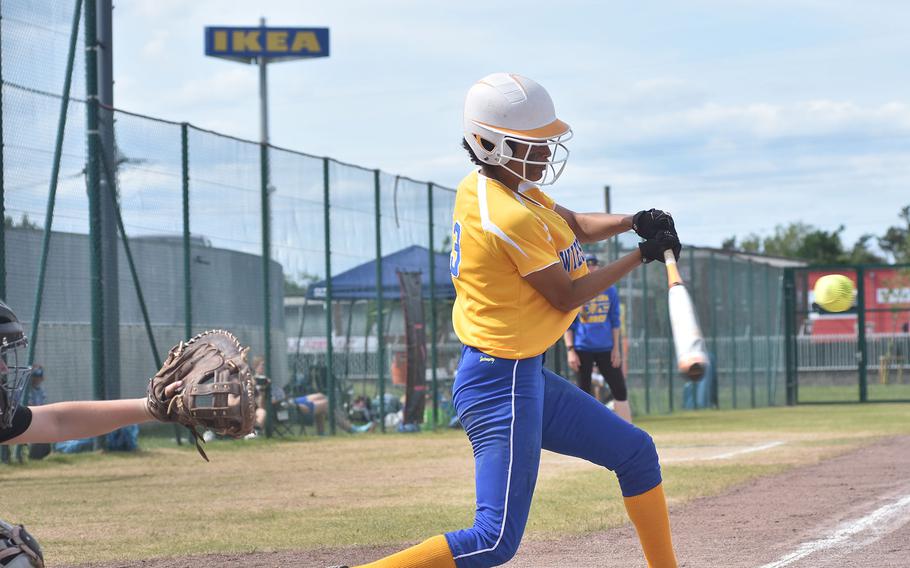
(297, 254)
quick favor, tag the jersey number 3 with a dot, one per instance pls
(455, 258)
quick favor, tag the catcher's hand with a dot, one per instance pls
(216, 393)
(647, 224)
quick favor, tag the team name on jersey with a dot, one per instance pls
(596, 310)
(572, 257)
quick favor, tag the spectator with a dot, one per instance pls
(594, 338)
(37, 397)
(315, 404)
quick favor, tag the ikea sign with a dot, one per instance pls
(245, 43)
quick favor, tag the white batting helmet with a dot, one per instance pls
(505, 107)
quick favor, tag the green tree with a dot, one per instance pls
(24, 223)
(298, 286)
(861, 253)
(805, 242)
(896, 240)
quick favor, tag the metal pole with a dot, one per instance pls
(266, 281)
(110, 273)
(671, 366)
(52, 191)
(790, 361)
(712, 289)
(263, 94)
(380, 329)
(767, 310)
(266, 229)
(752, 336)
(187, 250)
(433, 353)
(614, 241)
(187, 274)
(109, 177)
(732, 304)
(861, 333)
(330, 375)
(94, 198)
(644, 315)
(2, 180)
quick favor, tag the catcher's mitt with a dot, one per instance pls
(217, 392)
(19, 549)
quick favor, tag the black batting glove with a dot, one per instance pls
(653, 249)
(648, 223)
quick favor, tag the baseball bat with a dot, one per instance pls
(691, 356)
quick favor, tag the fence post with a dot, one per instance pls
(3, 182)
(751, 336)
(52, 191)
(380, 328)
(329, 347)
(433, 353)
(94, 197)
(861, 333)
(767, 310)
(790, 360)
(671, 364)
(712, 292)
(732, 304)
(644, 315)
(266, 281)
(187, 251)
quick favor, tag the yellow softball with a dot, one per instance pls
(835, 293)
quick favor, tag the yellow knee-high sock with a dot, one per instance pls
(431, 553)
(648, 513)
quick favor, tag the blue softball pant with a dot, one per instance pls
(510, 409)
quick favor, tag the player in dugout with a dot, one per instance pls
(520, 279)
(593, 338)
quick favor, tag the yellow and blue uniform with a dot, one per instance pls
(593, 328)
(509, 404)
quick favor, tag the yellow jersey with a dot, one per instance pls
(499, 236)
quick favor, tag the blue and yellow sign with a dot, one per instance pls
(272, 43)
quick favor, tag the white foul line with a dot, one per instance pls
(845, 531)
(726, 455)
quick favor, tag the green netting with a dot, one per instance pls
(35, 41)
(225, 179)
(228, 181)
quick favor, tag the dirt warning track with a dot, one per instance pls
(852, 510)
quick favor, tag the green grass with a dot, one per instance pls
(875, 392)
(375, 489)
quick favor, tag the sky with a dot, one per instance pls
(735, 115)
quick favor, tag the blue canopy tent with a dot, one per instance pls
(359, 283)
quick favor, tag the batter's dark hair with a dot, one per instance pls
(486, 144)
(471, 154)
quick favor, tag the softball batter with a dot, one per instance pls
(520, 277)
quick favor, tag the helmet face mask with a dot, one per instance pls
(14, 370)
(552, 167)
(503, 111)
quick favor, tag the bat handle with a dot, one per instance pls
(673, 276)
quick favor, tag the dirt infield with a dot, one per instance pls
(851, 510)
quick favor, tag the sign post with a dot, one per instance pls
(263, 45)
